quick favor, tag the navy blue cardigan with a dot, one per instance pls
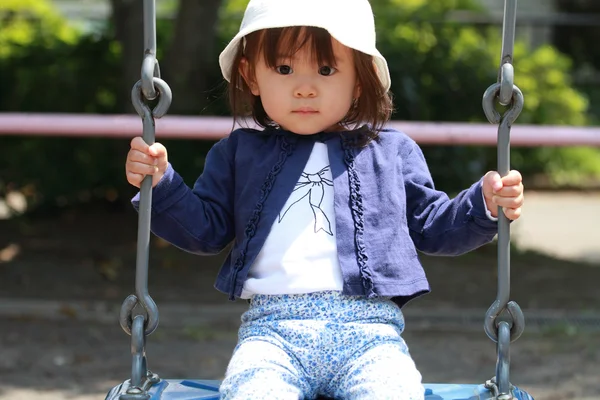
(386, 208)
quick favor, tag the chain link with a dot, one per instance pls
(142, 323)
(150, 68)
(506, 76)
(503, 360)
(504, 320)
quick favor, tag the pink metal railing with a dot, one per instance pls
(211, 128)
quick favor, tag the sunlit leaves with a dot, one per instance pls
(24, 22)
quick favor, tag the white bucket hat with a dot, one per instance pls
(350, 22)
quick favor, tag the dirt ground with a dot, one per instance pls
(63, 279)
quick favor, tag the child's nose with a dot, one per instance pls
(305, 89)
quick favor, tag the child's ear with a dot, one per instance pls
(248, 76)
(357, 91)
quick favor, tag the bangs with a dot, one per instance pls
(283, 43)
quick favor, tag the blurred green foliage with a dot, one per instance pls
(439, 72)
(47, 65)
(32, 22)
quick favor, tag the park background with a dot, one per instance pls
(68, 232)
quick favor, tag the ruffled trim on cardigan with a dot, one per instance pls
(250, 231)
(356, 206)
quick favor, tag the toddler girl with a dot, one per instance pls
(325, 207)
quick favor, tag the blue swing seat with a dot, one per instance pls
(173, 389)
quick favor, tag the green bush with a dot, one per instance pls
(440, 71)
(29, 22)
(47, 65)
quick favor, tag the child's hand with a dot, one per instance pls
(505, 192)
(145, 160)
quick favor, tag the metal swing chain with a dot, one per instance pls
(145, 321)
(504, 322)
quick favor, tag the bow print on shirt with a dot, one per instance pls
(313, 187)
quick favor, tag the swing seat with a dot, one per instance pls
(173, 389)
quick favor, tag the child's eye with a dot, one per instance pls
(284, 69)
(327, 71)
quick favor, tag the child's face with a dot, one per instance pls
(303, 97)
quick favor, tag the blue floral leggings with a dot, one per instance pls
(324, 343)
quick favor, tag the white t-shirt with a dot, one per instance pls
(300, 253)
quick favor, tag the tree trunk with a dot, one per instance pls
(129, 31)
(189, 58)
(191, 55)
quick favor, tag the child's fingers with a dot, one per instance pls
(134, 179)
(158, 150)
(510, 191)
(138, 156)
(512, 178)
(137, 143)
(492, 182)
(143, 160)
(508, 202)
(141, 168)
(511, 213)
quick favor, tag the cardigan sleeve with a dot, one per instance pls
(199, 219)
(437, 224)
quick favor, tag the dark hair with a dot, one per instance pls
(373, 107)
